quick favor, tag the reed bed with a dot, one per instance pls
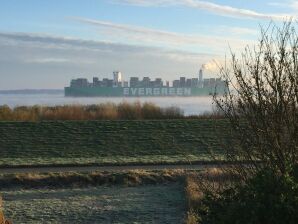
(103, 111)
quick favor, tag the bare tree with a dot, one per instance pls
(261, 103)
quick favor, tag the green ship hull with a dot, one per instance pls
(140, 92)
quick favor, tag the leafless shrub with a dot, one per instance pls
(261, 103)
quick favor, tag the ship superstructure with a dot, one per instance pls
(145, 86)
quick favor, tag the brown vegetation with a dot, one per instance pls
(2, 218)
(73, 179)
(104, 111)
(193, 196)
(198, 183)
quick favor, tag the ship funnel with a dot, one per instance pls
(201, 76)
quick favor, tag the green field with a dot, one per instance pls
(106, 142)
(118, 204)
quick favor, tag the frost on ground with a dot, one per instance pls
(117, 204)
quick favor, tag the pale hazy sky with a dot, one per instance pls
(45, 43)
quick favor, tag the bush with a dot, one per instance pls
(261, 103)
(265, 198)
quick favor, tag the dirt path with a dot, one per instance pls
(102, 168)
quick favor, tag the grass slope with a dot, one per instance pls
(106, 142)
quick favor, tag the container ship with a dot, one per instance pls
(117, 87)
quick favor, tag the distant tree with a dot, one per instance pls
(261, 103)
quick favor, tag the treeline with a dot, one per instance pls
(104, 111)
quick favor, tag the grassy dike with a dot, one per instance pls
(108, 142)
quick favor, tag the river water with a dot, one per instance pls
(190, 105)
